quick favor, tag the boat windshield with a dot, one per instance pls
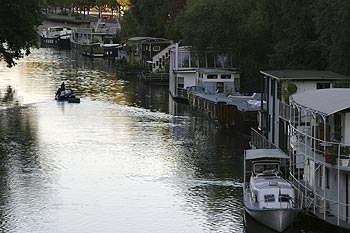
(266, 169)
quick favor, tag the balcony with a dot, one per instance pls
(329, 152)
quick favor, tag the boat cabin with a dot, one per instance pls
(212, 81)
(268, 189)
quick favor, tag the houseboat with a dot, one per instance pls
(307, 115)
(57, 36)
(97, 40)
(183, 65)
(267, 196)
(216, 95)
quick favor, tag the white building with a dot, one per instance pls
(184, 63)
(307, 115)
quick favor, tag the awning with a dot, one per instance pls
(265, 153)
(324, 101)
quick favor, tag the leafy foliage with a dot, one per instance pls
(18, 22)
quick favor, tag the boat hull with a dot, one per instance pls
(276, 219)
(56, 42)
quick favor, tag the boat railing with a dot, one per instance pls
(318, 202)
(330, 152)
(284, 111)
(258, 141)
(181, 92)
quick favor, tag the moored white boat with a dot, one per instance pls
(268, 197)
(58, 36)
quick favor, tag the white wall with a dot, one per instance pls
(347, 129)
(305, 86)
(189, 78)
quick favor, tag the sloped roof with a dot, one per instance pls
(265, 153)
(144, 38)
(324, 101)
(303, 75)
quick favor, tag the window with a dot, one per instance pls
(212, 76)
(284, 198)
(225, 76)
(219, 87)
(323, 85)
(180, 82)
(156, 48)
(269, 198)
(341, 85)
(184, 59)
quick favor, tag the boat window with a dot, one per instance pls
(284, 198)
(156, 48)
(269, 167)
(212, 76)
(225, 76)
(322, 85)
(254, 198)
(269, 198)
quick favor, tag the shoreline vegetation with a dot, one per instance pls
(259, 35)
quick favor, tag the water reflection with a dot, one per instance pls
(116, 162)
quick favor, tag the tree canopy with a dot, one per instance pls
(264, 34)
(18, 22)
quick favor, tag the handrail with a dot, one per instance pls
(329, 150)
(260, 142)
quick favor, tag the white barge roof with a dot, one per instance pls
(265, 153)
(324, 101)
(303, 75)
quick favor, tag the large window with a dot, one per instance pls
(184, 59)
(323, 85)
(341, 85)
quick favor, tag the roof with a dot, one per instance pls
(243, 103)
(148, 39)
(324, 101)
(303, 75)
(265, 153)
(218, 71)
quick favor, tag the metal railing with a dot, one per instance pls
(181, 92)
(284, 111)
(155, 77)
(260, 142)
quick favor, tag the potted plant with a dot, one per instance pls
(331, 154)
(344, 156)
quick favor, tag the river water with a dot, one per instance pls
(126, 159)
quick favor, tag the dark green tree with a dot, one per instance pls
(332, 19)
(234, 27)
(145, 18)
(18, 22)
(297, 45)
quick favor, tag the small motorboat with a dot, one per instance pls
(268, 197)
(67, 95)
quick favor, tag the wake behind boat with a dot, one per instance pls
(268, 197)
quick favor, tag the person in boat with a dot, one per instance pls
(58, 92)
(63, 88)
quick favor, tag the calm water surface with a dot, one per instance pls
(126, 159)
